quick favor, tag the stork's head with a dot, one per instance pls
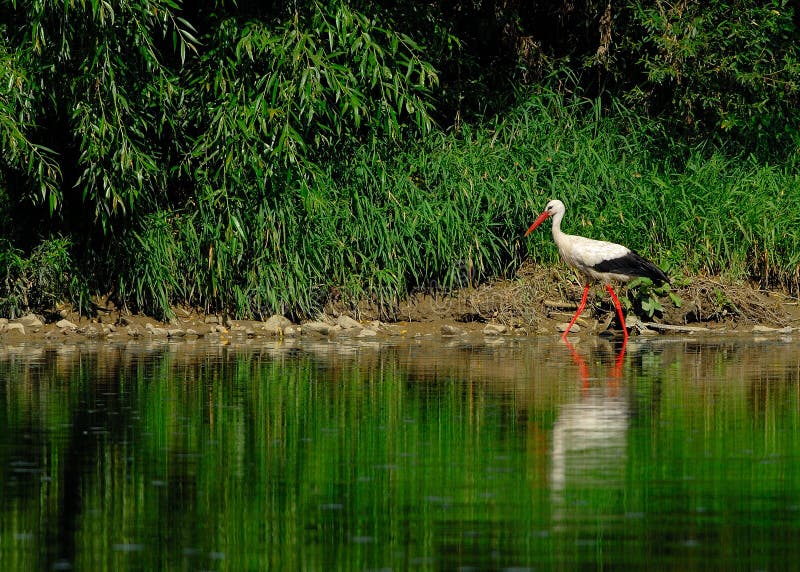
(553, 208)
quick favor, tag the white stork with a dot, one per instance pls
(597, 260)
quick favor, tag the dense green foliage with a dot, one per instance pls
(266, 157)
(729, 66)
(38, 280)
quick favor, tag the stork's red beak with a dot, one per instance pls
(537, 222)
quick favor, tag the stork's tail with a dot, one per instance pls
(649, 270)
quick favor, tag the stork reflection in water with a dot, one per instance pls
(590, 437)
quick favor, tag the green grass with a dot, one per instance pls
(453, 209)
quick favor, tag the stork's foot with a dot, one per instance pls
(611, 326)
(635, 325)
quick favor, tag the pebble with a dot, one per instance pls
(156, 331)
(291, 331)
(30, 321)
(321, 328)
(276, 324)
(348, 323)
(450, 330)
(14, 327)
(767, 329)
(494, 329)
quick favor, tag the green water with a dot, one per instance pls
(419, 455)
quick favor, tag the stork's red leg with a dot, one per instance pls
(619, 311)
(617, 374)
(581, 306)
(582, 368)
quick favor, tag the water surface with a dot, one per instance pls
(467, 455)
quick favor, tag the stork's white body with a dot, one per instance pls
(597, 259)
(586, 255)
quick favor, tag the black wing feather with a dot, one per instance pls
(632, 264)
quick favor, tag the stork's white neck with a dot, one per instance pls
(558, 236)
